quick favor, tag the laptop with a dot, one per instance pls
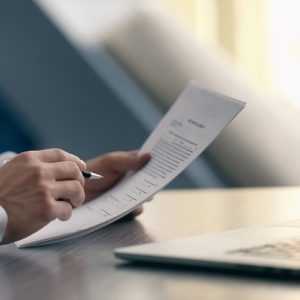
(273, 249)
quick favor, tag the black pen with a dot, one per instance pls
(91, 175)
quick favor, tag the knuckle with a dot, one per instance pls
(26, 157)
(43, 192)
(37, 172)
(59, 153)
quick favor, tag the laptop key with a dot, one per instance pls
(284, 250)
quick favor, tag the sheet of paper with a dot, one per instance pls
(190, 125)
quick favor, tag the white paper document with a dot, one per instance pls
(190, 125)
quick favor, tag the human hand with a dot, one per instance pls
(37, 187)
(113, 166)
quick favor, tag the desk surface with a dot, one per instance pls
(85, 268)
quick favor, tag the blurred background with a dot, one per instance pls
(261, 37)
(93, 76)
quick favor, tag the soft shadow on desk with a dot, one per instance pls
(119, 234)
(210, 273)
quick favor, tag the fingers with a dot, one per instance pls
(57, 155)
(66, 171)
(71, 190)
(66, 194)
(62, 210)
(125, 161)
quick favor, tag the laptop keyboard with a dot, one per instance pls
(285, 250)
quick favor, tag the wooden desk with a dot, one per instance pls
(85, 268)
